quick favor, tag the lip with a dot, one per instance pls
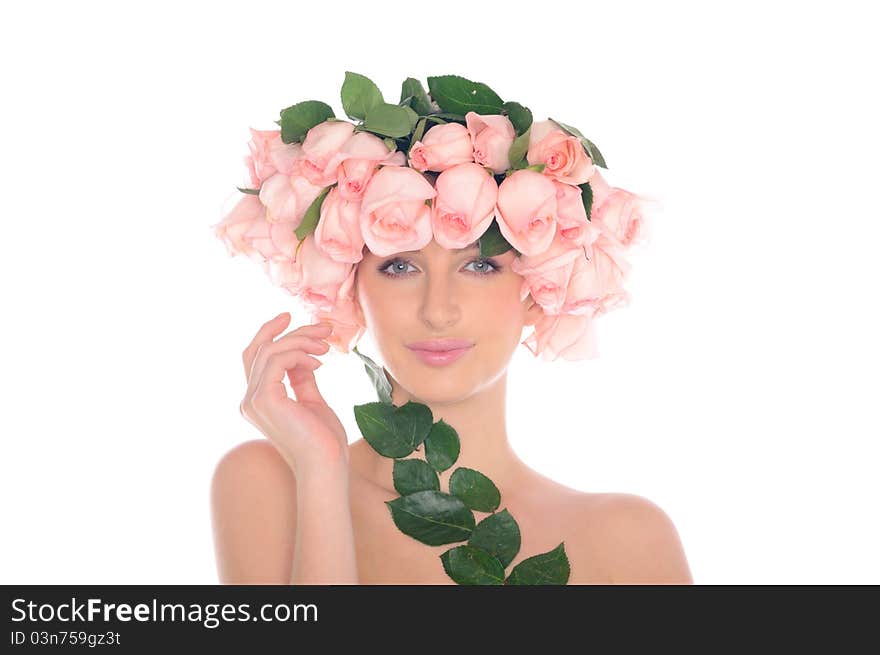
(440, 352)
(440, 357)
(440, 344)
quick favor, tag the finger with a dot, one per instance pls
(304, 385)
(270, 330)
(271, 381)
(290, 341)
(264, 335)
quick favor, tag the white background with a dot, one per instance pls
(738, 391)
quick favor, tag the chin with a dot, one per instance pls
(445, 384)
(435, 386)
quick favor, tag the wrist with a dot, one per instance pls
(325, 472)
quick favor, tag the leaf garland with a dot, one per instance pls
(435, 517)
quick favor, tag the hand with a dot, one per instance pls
(306, 432)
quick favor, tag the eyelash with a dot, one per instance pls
(495, 267)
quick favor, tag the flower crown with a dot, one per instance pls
(457, 165)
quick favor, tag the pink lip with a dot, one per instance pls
(440, 344)
(440, 357)
(440, 351)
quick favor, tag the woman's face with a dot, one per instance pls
(435, 293)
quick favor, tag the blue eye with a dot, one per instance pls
(396, 267)
(485, 266)
(394, 264)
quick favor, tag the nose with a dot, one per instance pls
(440, 307)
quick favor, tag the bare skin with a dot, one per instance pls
(609, 537)
(546, 512)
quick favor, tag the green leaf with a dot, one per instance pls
(298, 119)
(359, 95)
(376, 423)
(492, 242)
(550, 568)
(413, 117)
(439, 118)
(498, 534)
(587, 197)
(412, 475)
(442, 446)
(519, 149)
(476, 490)
(419, 101)
(589, 146)
(468, 565)
(389, 120)
(460, 95)
(419, 131)
(412, 422)
(435, 118)
(432, 517)
(377, 376)
(253, 192)
(520, 116)
(313, 213)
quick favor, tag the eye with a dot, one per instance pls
(396, 267)
(485, 266)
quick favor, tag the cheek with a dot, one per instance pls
(502, 314)
(381, 309)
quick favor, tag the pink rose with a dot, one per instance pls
(287, 197)
(320, 277)
(574, 227)
(563, 154)
(526, 211)
(345, 317)
(244, 230)
(620, 217)
(568, 336)
(596, 285)
(600, 188)
(270, 155)
(546, 275)
(464, 206)
(441, 147)
(492, 136)
(322, 151)
(362, 153)
(338, 233)
(394, 216)
(231, 229)
(285, 273)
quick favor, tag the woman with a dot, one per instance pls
(306, 507)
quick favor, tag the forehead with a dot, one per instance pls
(473, 248)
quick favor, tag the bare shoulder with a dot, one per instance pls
(638, 542)
(253, 514)
(245, 457)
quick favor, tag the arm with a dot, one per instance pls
(324, 551)
(258, 515)
(642, 545)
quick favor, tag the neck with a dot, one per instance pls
(480, 422)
